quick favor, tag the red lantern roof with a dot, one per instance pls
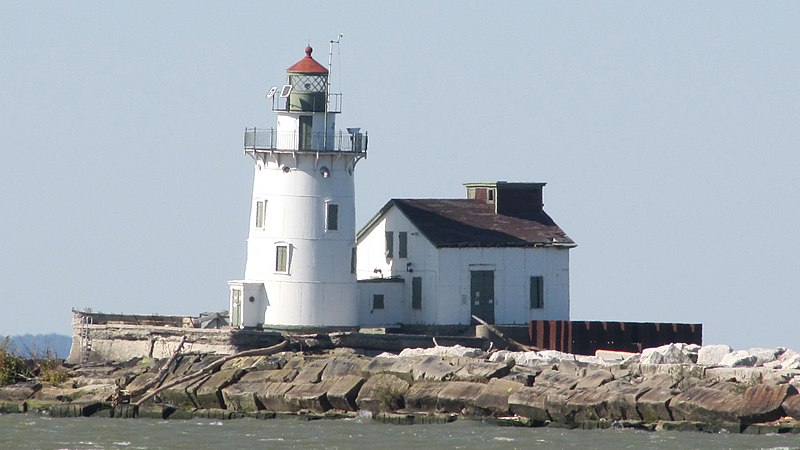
(308, 65)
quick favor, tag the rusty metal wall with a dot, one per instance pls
(584, 338)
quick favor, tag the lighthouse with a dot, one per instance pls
(300, 268)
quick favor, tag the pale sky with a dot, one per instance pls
(667, 133)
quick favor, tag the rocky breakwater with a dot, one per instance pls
(675, 387)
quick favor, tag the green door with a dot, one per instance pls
(236, 309)
(305, 133)
(482, 294)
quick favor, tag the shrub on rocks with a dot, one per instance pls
(382, 392)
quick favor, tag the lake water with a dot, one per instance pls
(35, 431)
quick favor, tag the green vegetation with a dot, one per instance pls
(15, 368)
(389, 397)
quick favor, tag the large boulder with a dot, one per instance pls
(653, 404)
(482, 371)
(558, 406)
(284, 375)
(460, 397)
(241, 396)
(711, 355)
(791, 406)
(272, 395)
(343, 392)
(594, 379)
(762, 402)
(183, 395)
(383, 392)
(739, 358)
(19, 392)
(556, 379)
(766, 355)
(583, 405)
(340, 366)
(530, 402)
(381, 364)
(209, 394)
(311, 372)
(716, 404)
(621, 400)
(669, 354)
(441, 350)
(310, 396)
(494, 396)
(424, 396)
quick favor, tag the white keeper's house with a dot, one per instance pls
(494, 254)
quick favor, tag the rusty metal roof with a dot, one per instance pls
(473, 223)
(308, 65)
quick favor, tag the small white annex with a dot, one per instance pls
(495, 254)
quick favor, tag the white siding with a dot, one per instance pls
(513, 267)
(446, 276)
(422, 256)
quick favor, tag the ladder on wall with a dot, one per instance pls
(86, 339)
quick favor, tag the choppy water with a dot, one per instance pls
(34, 431)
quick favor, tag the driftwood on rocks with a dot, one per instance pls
(162, 373)
(216, 365)
(498, 333)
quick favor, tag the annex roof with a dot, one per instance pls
(308, 65)
(473, 223)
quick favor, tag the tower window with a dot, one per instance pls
(416, 293)
(389, 244)
(331, 216)
(282, 258)
(377, 301)
(261, 209)
(402, 241)
(537, 292)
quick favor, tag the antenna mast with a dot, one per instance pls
(328, 86)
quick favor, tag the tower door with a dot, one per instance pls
(482, 294)
(236, 308)
(304, 141)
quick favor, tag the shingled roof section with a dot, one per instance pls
(473, 223)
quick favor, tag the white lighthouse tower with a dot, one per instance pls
(301, 247)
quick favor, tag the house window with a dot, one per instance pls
(537, 292)
(261, 208)
(490, 195)
(402, 243)
(377, 301)
(282, 258)
(416, 293)
(389, 244)
(331, 216)
(470, 193)
(353, 260)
